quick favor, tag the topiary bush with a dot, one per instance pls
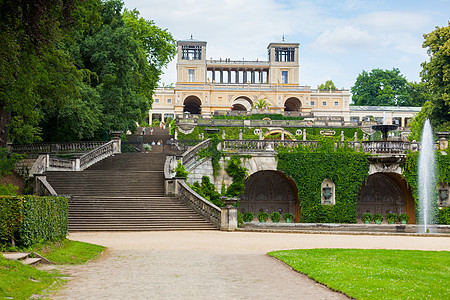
(248, 217)
(275, 217)
(263, 217)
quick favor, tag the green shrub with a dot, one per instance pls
(248, 216)
(403, 217)
(180, 170)
(444, 216)
(156, 123)
(207, 190)
(378, 217)
(367, 217)
(8, 190)
(238, 173)
(288, 216)
(275, 217)
(263, 216)
(391, 217)
(29, 219)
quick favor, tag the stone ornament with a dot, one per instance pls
(328, 192)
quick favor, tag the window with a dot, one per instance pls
(191, 52)
(284, 76)
(313, 103)
(156, 100)
(191, 75)
(285, 54)
(169, 100)
(336, 103)
(324, 103)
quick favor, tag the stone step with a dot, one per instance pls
(31, 260)
(15, 255)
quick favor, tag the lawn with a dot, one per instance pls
(18, 281)
(375, 274)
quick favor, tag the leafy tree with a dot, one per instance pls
(381, 88)
(419, 92)
(329, 85)
(436, 75)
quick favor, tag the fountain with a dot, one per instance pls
(426, 175)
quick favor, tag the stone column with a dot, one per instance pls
(213, 75)
(221, 75)
(282, 135)
(228, 218)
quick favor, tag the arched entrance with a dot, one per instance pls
(192, 104)
(270, 191)
(385, 192)
(292, 104)
(242, 104)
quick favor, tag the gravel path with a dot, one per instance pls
(211, 264)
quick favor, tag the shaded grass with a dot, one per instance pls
(18, 281)
(375, 273)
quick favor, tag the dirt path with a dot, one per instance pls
(211, 264)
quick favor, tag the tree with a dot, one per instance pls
(436, 76)
(381, 88)
(329, 85)
(419, 92)
(29, 31)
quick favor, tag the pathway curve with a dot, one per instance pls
(211, 264)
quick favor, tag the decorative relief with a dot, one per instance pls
(328, 192)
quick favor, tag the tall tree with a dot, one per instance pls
(436, 75)
(381, 88)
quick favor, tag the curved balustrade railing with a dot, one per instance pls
(96, 155)
(56, 147)
(189, 157)
(374, 147)
(198, 203)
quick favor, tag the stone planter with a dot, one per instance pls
(377, 222)
(404, 222)
(366, 222)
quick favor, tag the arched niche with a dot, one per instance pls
(242, 103)
(292, 104)
(270, 191)
(193, 105)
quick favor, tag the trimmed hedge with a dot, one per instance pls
(30, 219)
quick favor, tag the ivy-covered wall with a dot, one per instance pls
(442, 175)
(30, 219)
(348, 171)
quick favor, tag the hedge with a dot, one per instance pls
(29, 219)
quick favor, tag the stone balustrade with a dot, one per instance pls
(373, 147)
(75, 147)
(190, 156)
(198, 203)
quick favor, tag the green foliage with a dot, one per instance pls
(248, 216)
(258, 117)
(263, 216)
(403, 217)
(208, 191)
(213, 153)
(374, 273)
(30, 219)
(288, 216)
(261, 103)
(275, 217)
(444, 216)
(180, 170)
(381, 87)
(391, 217)
(8, 161)
(156, 123)
(329, 85)
(378, 218)
(238, 173)
(8, 190)
(410, 173)
(418, 122)
(172, 127)
(347, 168)
(367, 217)
(436, 76)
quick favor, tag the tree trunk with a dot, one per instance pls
(5, 120)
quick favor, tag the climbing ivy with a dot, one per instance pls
(410, 173)
(208, 191)
(212, 152)
(347, 168)
(238, 173)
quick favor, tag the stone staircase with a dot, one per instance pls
(26, 258)
(124, 193)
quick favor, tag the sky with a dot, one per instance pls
(338, 39)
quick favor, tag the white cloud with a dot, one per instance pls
(344, 39)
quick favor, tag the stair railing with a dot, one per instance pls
(189, 157)
(47, 163)
(198, 203)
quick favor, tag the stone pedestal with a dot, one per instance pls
(228, 220)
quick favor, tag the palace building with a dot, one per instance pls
(210, 87)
